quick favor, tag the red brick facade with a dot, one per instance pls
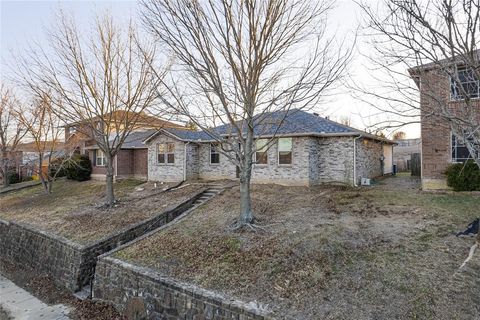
(436, 130)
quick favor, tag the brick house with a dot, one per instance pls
(307, 150)
(440, 147)
(131, 159)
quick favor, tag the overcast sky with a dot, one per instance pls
(25, 21)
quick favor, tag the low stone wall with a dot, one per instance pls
(42, 251)
(142, 293)
(71, 265)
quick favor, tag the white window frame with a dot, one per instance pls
(454, 147)
(265, 148)
(214, 147)
(99, 154)
(457, 96)
(166, 153)
(291, 151)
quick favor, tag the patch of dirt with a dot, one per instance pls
(74, 209)
(329, 252)
(43, 287)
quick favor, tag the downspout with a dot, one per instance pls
(355, 160)
(185, 161)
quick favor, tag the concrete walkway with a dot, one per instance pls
(22, 305)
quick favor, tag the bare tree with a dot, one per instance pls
(437, 42)
(433, 40)
(11, 132)
(102, 82)
(44, 128)
(237, 61)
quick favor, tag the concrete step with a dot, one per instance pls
(83, 294)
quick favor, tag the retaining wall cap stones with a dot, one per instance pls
(213, 297)
(44, 233)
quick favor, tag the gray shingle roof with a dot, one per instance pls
(135, 139)
(292, 122)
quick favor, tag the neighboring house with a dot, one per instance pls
(440, 147)
(307, 150)
(131, 160)
(13, 161)
(30, 163)
(403, 150)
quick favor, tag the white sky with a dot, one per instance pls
(25, 21)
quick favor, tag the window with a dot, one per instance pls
(214, 154)
(166, 153)
(460, 151)
(468, 84)
(285, 151)
(100, 160)
(261, 156)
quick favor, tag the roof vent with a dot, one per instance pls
(316, 114)
(327, 117)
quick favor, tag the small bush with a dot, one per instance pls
(57, 165)
(13, 177)
(78, 168)
(464, 177)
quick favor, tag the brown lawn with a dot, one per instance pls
(383, 252)
(74, 209)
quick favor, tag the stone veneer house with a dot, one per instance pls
(440, 147)
(307, 150)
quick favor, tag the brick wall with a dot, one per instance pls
(368, 159)
(435, 130)
(314, 161)
(71, 265)
(124, 163)
(149, 295)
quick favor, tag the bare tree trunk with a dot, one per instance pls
(5, 174)
(109, 182)
(42, 176)
(246, 214)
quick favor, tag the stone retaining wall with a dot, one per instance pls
(71, 265)
(142, 293)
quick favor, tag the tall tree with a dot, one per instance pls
(101, 81)
(11, 132)
(237, 60)
(44, 128)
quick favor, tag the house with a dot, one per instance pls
(131, 159)
(30, 163)
(403, 150)
(12, 161)
(440, 147)
(307, 150)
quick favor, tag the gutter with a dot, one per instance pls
(355, 160)
(185, 161)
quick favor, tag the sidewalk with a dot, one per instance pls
(22, 305)
(19, 186)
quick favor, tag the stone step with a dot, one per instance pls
(83, 294)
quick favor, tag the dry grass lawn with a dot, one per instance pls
(74, 209)
(383, 252)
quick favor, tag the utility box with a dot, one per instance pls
(365, 182)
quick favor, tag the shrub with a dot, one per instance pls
(78, 168)
(464, 176)
(13, 177)
(57, 165)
